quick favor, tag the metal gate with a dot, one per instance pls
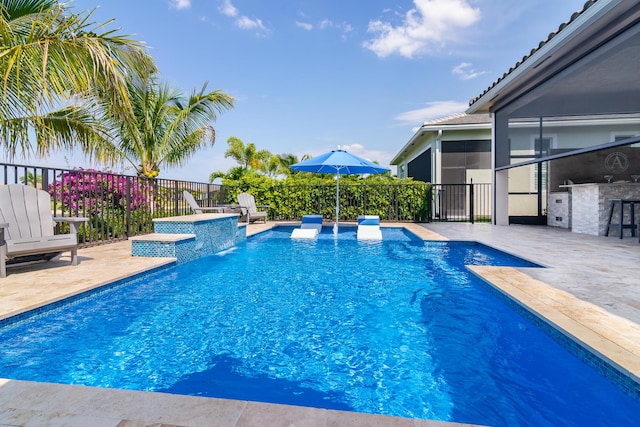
(460, 203)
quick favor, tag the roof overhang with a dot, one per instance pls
(592, 28)
(435, 128)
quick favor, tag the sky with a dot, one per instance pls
(310, 76)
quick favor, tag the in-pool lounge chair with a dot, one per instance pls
(196, 208)
(26, 227)
(309, 229)
(369, 227)
(249, 209)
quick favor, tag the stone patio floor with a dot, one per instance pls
(590, 289)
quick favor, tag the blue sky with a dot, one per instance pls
(311, 75)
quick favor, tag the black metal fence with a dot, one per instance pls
(118, 206)
(122, 206)
(461, 203)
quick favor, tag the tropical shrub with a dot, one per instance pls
(103, 198)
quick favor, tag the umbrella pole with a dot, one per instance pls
(335, 226)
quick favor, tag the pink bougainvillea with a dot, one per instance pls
(92, 192)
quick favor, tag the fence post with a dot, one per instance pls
(127, 186)
(44, 179)
(364, 201)
(471, 202)
(175, 196)
(430, 203)
(395, 204)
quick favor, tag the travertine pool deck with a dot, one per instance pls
(591, 288)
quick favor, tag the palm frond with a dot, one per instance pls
(48, 55)
(60, 129)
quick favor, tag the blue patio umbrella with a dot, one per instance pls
(338, 162)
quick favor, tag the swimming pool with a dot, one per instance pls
(406, 331)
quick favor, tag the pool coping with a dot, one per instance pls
(24, 400)
(606, 342)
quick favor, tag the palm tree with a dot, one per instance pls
(30, 179)
(272, 167)
(249, 158)
(235, 173)
(167, 127)
(288, 159)
(50, 61)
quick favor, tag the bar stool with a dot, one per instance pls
(621, 224)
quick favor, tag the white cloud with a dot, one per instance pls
(465, 71)
(180, 4)
(247, 23)
(243, 22)
(430, 23)
(326, 23)
(433, 110)
(304, 26)
(228, 9)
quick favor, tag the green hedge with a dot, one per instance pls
(390, 198)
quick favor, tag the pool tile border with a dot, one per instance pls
(571, 343)
(596, 358)
(73, 299)
(619, 375)
(59, 409)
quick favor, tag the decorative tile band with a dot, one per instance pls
(67, 301)
(621, 379)
(154, 248)
(211, 236)
(241, 234)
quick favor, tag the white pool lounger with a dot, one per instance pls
(309, 229)
(369, 227)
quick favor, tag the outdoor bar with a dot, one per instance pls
(595, 208)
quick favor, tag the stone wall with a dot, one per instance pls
(591, 206)
(559, 210)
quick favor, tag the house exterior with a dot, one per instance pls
(451, 153)
(566, 119)
(450, 150)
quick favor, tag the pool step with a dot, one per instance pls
(164, 245)
(188, 237)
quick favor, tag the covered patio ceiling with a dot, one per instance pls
(604, 82)
(589, 66)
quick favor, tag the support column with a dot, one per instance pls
(501, 197)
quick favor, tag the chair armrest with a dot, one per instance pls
(211, 208)
(263, 206)
(74, 222)
(3, 225)
(70, 219)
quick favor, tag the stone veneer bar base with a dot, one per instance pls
(189, 237)
(590, 206)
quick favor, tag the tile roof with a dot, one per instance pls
(460, 119)
(562, 26)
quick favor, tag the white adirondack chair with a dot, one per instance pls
(26, 226)
(196, 208)
(249, 209)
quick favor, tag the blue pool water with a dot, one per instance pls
(398, 328)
